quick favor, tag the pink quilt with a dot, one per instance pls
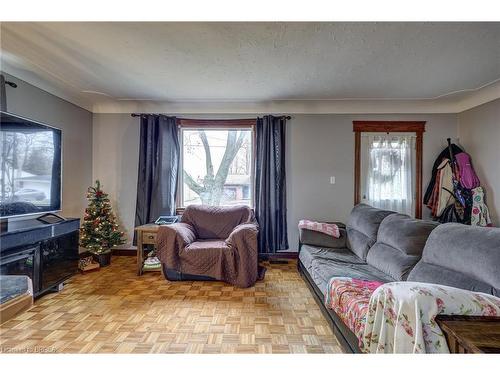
(326, 228)
(349, 298)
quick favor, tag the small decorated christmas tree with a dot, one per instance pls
(99, 231)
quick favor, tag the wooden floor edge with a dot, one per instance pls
(15, 306)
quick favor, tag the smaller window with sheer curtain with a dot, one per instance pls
(388, 171)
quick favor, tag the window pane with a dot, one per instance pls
(388, 172)
(217, 167)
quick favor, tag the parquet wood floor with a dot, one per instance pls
(115, 311)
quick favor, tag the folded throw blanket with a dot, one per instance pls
(326, 228)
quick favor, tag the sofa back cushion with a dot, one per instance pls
(210, 222)
(399, 246)
(362, 228)
(463, 257)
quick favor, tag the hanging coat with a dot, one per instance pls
(445, 154)
(480, 214)
(445, 184)
(432, 203)
(468, 176)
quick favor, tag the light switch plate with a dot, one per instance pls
(332, 180)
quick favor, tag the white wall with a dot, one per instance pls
(479, 131)
(76, 125)
(319, 146)
(115, 163)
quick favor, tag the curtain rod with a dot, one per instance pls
(155, 114)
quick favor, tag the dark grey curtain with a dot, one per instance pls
(270, 184)
(158, 168)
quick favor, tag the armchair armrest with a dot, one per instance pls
(185, 232)
(313, 238)
(181, 233)
(243, 233)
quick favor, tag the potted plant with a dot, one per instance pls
(99, 231)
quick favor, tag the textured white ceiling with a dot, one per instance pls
(96, 63)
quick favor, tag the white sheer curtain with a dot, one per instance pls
(389, 181)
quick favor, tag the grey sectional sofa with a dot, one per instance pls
(385, 246)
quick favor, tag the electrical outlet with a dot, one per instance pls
(332, 180)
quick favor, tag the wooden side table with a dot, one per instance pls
(146, 235)
(471, 334)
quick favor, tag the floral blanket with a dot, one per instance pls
(349, 298)
(401, 316)
(326, 228)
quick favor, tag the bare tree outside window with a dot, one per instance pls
(217, 167)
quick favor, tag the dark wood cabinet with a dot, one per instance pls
(46, 253)
(471, 334)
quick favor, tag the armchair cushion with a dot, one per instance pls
(207, 245)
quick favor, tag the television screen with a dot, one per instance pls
(30, 175)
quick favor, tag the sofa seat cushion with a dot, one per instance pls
(349, 298)
(309, 253)
(362, 228)
(461, 256)
(400, 243)
(322, 270)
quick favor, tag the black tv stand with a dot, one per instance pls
(47, 253)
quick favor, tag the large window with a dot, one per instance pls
(216, 166)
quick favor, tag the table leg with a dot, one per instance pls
(140, 253)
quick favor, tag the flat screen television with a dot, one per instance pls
(30, 167)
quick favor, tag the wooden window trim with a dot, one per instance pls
(417, 127)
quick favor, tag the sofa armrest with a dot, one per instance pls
(313, 238)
